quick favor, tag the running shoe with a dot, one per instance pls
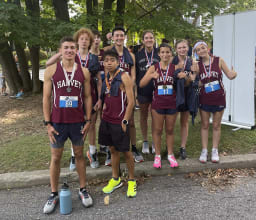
(72, 165)
(93, 158)
(85, 198)
(183, 154)
(153, 148)
(132, 189)
(215, 155)
(112, 185)
(145, 147)
(108, 159)
(203, 156)
(138, 158)
(173, 162)
(51, 204)
(137, 107)
(157, 162)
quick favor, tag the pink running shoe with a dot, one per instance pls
(157, 162)
(173, 161)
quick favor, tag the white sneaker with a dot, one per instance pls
(153, 148)
(145, 147)
(215, 155)
(203, 156)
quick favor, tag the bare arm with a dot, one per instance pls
(87, 100)
(47, 92)
(99, 85)
(128, 86)
(231, 74)
(54, 59)
(133, 69)
(150, 74)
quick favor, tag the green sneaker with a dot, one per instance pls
(132, 189)
(112, 185)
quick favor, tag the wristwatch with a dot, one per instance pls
(125, 122)
(47, 122)
(88, 120)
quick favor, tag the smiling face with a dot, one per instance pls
(182, 48)
(148, 40)
(118, 37)
(165, 54)
(83, 41)
(68, 50)
(202, 50)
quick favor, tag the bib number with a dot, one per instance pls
(212, 86)
(165, 90)
(68, 101)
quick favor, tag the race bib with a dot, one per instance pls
(165, 90)
(212, 86)
(68, 101)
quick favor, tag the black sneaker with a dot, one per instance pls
(51, 203)
(183, 154)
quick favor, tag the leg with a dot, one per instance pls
(158, 121)
(144, 120)
(80, 165)
(56, 154)
(115, 160)
(132, 129)
(92, 130)
(129, 163)
(169, 130)
(216, 128)
(205, 117)
(184, 116)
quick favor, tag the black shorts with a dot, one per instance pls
(113, 135)
(68, 130)
(212, 108)
(144, 99)
(166, 111)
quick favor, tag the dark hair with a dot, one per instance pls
(165, 45)
(111, 53)
(147, 31)
(67, 39)
(118, 28)
(179, 41)
(164, 40)
(96, 33)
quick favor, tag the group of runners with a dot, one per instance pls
(83, 80)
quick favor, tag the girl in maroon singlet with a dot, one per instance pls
(163, 103)
(212, 97)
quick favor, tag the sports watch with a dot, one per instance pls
(125, 122)
(47, 122)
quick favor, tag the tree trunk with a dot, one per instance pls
(96, 15)
(92, 14)
(106, 20)
(24, 73)
(61, 9)
(9, 67)
(33, 10)
(120, 6)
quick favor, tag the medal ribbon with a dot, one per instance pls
(210, 68)
(185, 63)
(149, 62)
(84, 63)
(66, 75)
(166, 74)
(107, 82)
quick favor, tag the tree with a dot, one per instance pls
(61, 9)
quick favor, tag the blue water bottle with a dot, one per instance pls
(65, 200)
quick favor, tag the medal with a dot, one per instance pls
(164, 86)
(149, 62)
(208, 73)
(164, 76)
(68, 81)
(84, 63)
(108, 82)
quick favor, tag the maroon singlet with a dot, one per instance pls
(164, 101)
(67, 115)
(216, 97)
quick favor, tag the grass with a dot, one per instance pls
(24, 143)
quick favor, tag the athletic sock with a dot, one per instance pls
(134, 149)
(158, 156)
(92, 149)
(54, 193)
(81, 189)
(169, 156)
(115, 178)
(72, 152)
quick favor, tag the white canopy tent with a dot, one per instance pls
(234, 39)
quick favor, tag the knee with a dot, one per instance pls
(169, 131)
(205, 125)
(216, 126)
(79, 154)
(56, 159)
(158, 131)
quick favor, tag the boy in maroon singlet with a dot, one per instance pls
(118, 97)
(67, 87)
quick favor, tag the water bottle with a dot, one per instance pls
(65, 200)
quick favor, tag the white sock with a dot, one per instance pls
(92, 149)
(169, 156)
(72, 152)
(158, 156)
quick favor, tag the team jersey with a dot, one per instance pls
(114, 106)
(164, 95)
(212, 92)
(143, 61)
(67, 105)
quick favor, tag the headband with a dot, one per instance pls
(198, 43)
